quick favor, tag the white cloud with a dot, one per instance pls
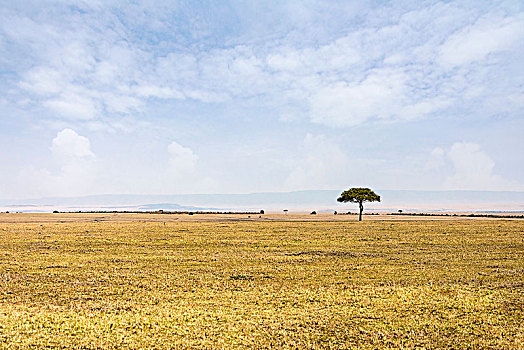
(43, 81)
(379, 96)
(474, 170)
(122, 69)
(465, 166)
(121, 103)
(73, 178)
(183, 173)
(73, 106)
(436, 159)
(320, 164)
(286, 61)
(69, 144)
(182, 160)
(157, 91)
(72, 170)
(77, 56)
(423, 108)
(486, 36)
(382, 70)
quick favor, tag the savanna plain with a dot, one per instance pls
(169, 281)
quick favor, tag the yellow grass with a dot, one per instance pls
(135, 282)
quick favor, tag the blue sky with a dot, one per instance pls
(175, 97)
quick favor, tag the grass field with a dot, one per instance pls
(133, 282)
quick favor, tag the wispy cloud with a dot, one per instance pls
(403, 69)
(470, 168)
(166, 71)
(488, 35)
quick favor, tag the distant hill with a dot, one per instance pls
(297, 200)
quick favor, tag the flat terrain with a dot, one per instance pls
(295, 281)
(271, 216)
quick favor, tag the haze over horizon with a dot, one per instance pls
(391, 200)
(115, 97)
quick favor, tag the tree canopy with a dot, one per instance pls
(359, 195)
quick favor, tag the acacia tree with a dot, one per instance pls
(359, 195)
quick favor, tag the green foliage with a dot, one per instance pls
(359, 195)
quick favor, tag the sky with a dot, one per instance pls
(176, 97)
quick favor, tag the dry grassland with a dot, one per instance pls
(133, 282)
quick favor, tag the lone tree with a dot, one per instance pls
(359, 195)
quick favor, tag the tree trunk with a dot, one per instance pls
(361, 210)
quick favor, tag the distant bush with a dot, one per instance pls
(262, 211)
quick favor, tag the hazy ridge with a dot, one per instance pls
(297, 200)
